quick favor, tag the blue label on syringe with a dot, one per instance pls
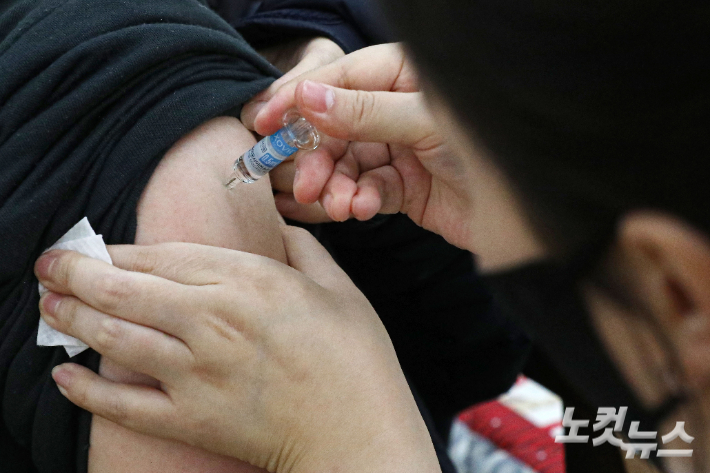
(278, 141)
(268, 153)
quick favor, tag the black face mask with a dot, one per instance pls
(544, 300)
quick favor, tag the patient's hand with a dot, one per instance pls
(186, 200)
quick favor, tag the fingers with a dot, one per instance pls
(282, 177)
(379, 67)
(307, 213)
(306, 175)
(380, 190)
(360, 115)
(338, 196)
(139, 348)
(184, 263)
(189, 266)
(338, 177)
(141, 298)
(138, 408)
(332, 183)
(313, 169)
(308, 256)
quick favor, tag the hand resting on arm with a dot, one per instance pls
(186, 201)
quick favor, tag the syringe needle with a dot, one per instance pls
(232, 181)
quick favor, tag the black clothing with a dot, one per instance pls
(92, 94)
(453, 345)
(579, 457)
(352, 24)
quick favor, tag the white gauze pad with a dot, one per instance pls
(82, 239)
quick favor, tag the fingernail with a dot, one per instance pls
(317, 97)
(61, 376)
(43, 267)
(50, 302)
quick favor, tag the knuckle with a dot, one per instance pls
(171, 258)
(109, 334)
(206, 373)
(80, 396)
(145, 260)
(66, 312)
(363, 107)
(113, 289)
(344, 81)
(117, 410)
(201, 426)
(65, 267)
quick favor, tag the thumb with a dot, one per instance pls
(360, 115)
(306, 255)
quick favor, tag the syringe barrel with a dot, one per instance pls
(272, 150)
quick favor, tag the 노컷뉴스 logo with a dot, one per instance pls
(605, 416)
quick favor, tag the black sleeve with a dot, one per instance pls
(92, 95)
(352, 24)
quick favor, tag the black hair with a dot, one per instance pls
(591, 108)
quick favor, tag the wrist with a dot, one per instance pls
(400, 446)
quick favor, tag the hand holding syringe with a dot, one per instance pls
(271, 151)
(383, 144)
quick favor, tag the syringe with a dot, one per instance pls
(271, 151)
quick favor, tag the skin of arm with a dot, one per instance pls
(186, 201)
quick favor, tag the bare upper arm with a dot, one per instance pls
(185, 200)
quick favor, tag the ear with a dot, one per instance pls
(668, 267)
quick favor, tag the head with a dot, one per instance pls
(592, 119)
